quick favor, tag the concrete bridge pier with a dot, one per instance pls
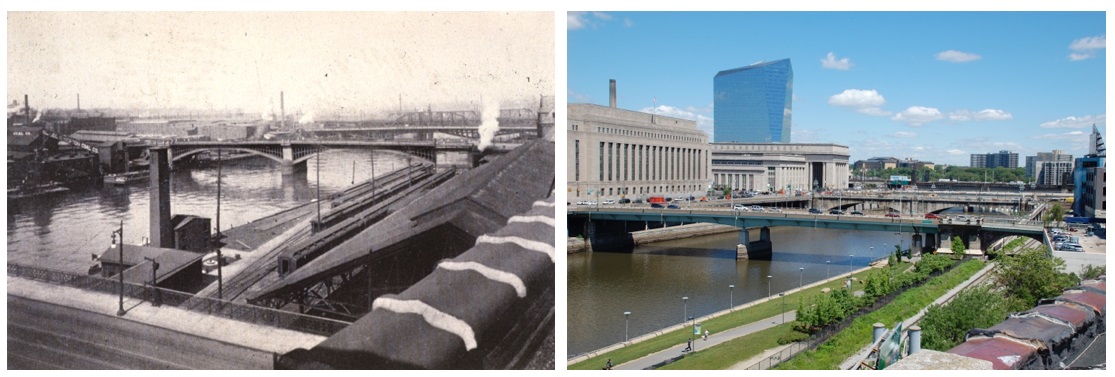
(915, 243)
(761, 249)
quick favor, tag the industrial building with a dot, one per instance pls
(616, 154)
(753, 104)
(777, 167)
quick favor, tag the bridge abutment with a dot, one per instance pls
(761, 249)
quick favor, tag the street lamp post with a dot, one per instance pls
(626, 322)
(120, 273)
(684, 308)
(801, 276)
(783, 295)
(693, 330)
(731, 296)
(768, 286)
(828, 270)
(157, 300)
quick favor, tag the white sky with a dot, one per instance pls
(323, 61)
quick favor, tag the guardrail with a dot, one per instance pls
(188, 301)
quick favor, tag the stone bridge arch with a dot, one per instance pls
(987, 238)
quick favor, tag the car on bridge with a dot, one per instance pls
(624, 201)
(657, 205)
(608, 202)
(741, 207)
(857, 213)
(815, 211)
(757, 208)
(893, 214)
(836, 211)
(673, 206)
(932, 215)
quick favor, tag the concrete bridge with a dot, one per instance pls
(424, 124)
(608, 228)
(290, 153)
(916, 205)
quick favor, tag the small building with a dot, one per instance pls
(178, 270)
(191, 233)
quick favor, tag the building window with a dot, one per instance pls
(576, 160)
(601, 161)
(610, 162)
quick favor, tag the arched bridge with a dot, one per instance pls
(292, 152)
(595, 223)
(920, 205)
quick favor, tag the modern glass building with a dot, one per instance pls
(752, 104)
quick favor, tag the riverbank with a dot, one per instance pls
(679, 232)
(655, 342)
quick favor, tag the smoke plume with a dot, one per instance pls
(307, 119)
(489, 124)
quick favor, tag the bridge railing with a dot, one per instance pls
(183, 300)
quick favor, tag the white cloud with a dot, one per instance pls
(1089, 43)
(956, 152)
(581, 20)
(873, 111)
(803, 135)
(627, 22)
(1071, 135)
(1078, 56)
(1077, 122)
(904, 134)
(831, 62)
(985, 114)
(704, 123)
(1085, 47)
(857, 98)
(954, 56)
(918, 115)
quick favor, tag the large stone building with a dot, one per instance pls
(776, 167)
(616, 153)
(1002, 159)
(752, 104)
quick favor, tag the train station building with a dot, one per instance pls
(615, 154)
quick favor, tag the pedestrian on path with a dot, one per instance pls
(688, 346)
(706, 334)
(608, 365)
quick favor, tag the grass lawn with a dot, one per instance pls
(727, 354)
(724, 322)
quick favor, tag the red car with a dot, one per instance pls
(893, 214)
(932, 216)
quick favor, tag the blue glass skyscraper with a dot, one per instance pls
(752, 104)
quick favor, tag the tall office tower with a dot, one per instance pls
(752, 104)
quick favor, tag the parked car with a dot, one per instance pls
(624, 201)
(740, 207)
(836, 211)
(893, 214)
(1072, 247)
(857, 213)
(815, 211)
(932, 216)
(757, 208)
(583, 203)
(657, 205)
(673, 206)
(608, 202)
(638, 201)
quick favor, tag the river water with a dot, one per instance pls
(62, 231)
(651, 281)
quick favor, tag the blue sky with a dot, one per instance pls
(934, 86)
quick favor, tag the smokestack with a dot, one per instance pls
(27, 110)
(612, 93)
(79, 102)
(161, 235)
(282, 111)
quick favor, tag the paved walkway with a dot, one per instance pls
(713, 339)
(264, 338)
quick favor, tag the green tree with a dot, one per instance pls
(957, 247)
(1031, 275)
(944, 326)
(1092, 272)
(1054, 216)
(898, 253)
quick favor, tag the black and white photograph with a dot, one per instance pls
(280, 190)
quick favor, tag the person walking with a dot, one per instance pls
(608, 365)
(706, 334)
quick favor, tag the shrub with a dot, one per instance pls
(933, 263)
(1031, 275)
(1092, 272)
(945, 326)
